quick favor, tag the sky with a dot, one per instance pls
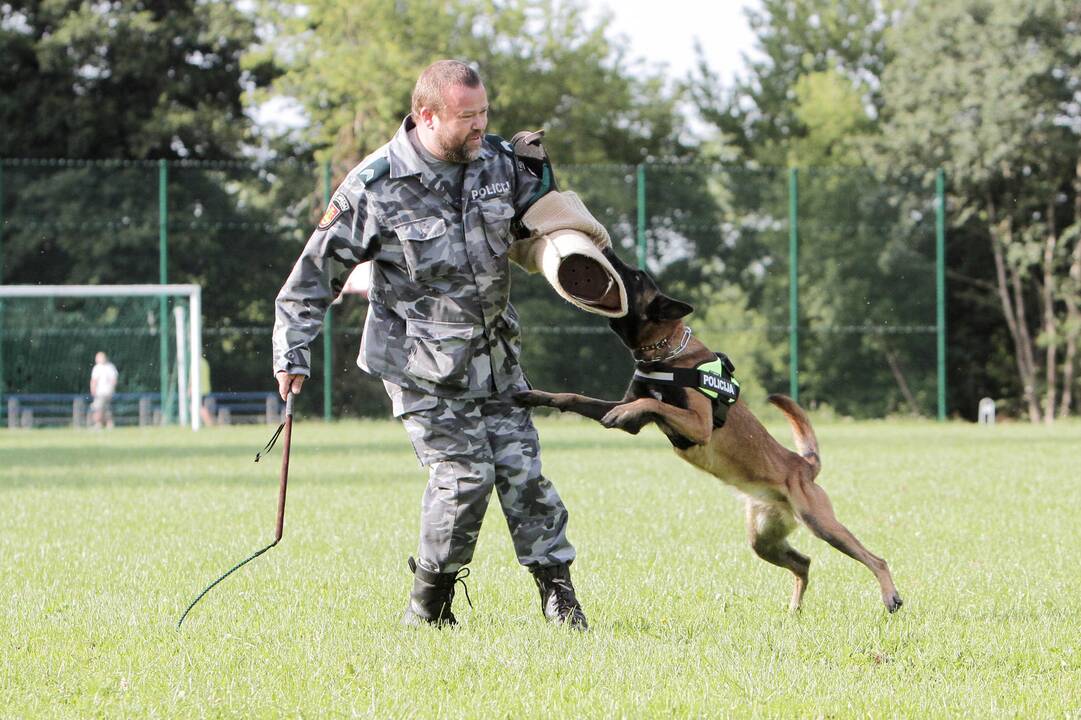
(664, 31)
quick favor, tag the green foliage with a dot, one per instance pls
(973, 90)
(139, 79)
(223, 234)
(988, 91)
(831, 109)
(865, 242)
(978, 88)
(803, 46)
(352, 66)
(867, 298)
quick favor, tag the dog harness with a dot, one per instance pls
(713, 378)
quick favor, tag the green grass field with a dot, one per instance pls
(106, 537)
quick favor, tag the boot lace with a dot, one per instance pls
(447, 583)
(563, 595)
(459, 577)
(561, 592)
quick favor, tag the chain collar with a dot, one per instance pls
(662, 345)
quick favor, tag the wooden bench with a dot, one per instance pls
(228, 408)
(29, 410)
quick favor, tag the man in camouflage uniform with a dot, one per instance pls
(437, 210)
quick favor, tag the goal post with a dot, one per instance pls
(47, 332)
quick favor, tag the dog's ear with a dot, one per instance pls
(663, 307)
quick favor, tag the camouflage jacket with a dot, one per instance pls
(439, 316)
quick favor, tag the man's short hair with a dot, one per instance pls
(433, 82)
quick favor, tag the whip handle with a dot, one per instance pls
(285, 468)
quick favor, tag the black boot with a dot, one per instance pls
(557, 596)
(432, 595)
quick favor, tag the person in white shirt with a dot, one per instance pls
(102, 387)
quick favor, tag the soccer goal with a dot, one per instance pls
(50, 334)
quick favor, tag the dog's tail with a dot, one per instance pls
(804, 434)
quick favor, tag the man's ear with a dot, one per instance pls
(426, 115)
(663, 307)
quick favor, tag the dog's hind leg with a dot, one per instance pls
(812, 506)
(768, 527)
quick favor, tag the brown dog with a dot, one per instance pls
(777, 484)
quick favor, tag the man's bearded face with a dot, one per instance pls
(459, 127)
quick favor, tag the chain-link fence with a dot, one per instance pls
(820, 283)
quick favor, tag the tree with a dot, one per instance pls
(812, 102)
(758, 116)
(130, 80)
(352, 64)
(989, 90)
(121, 84)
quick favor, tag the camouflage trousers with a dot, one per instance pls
(469, 448)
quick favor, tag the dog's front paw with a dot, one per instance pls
(623, 417)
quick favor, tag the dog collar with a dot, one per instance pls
(661, 344)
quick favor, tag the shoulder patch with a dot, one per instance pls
(374, 170)
(338, 205)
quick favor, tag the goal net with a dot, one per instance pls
(50, 335)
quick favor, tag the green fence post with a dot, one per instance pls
(940, 287)
(328, 322)
(1, 223)
(793, 284)
(3, 402)
(641, 177)
(163, 278)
